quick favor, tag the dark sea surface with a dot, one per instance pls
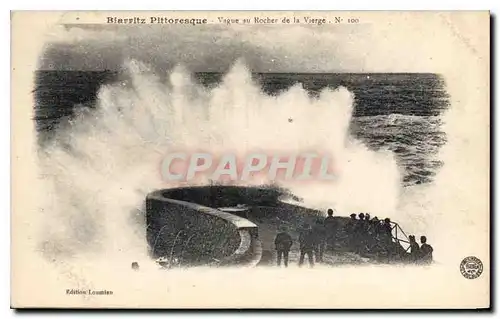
(400, 112)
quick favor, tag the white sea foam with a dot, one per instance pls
(97, 174)
(105, 162)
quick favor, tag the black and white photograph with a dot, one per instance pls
(286, 160)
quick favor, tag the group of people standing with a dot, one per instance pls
(420, 254)
(367, 235)
(309, 245)
(360, 235)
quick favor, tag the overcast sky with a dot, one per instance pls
(422, 46)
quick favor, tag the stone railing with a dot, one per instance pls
(195, 234)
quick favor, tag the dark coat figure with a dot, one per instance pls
(350, 230)
(319, 240)
(359, 234)
(373, 227)
(365, 235)
(380, 228)
(425, 251)
(329, 220)
(330, 223)
(307, 242)
(330, 228)
(387, 227)
(386, 232)
(414, 250)
(283, 242)
(372, 234)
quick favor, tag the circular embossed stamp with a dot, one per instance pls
(471, 267)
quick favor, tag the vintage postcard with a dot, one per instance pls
(281, 160)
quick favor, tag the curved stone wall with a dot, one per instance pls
(196, 234)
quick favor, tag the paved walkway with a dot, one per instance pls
(267, 233)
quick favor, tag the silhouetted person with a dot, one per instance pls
(387, 231)
(367, 217)
(283, 242)
(350, 230)
(372, 235)
(373, 227)
(307, 241)
(380, 235)
(359, 233)
(330, 228)
(387, 225)
(329, 219)
(425, 251)
(351, 225)
(319, 240)
(380, 226)
(414, 249)
(330, 222)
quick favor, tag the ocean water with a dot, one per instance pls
(399, 112)
(102, 136)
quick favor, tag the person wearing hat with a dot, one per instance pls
(283, 243)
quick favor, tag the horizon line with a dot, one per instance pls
(254, 72)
